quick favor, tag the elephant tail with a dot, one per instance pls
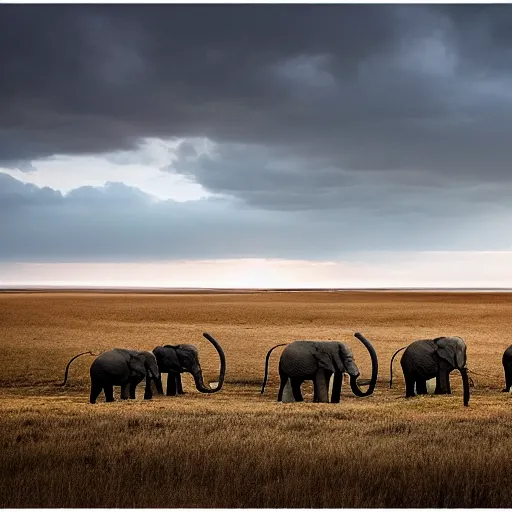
(70, 361)
(391, 366)
(267, 358)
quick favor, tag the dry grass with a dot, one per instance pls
(237, 448)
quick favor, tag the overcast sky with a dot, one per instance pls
(319, 145)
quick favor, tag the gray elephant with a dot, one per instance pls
(425, 359)
(125, 368)
(507, 366)
(319, 361)
(177, 359)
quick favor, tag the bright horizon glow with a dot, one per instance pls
(483, 269)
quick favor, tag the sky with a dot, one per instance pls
(256, 145)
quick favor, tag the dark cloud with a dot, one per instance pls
(275, 180)
(367, 86)
(331, 126)
(120, 223)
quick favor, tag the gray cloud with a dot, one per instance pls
(365, 87)
(120, 223)
(332, 127)
(275, 180)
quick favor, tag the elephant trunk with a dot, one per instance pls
(198, 375)
(375, 368)
(465, 384)
(199, 382)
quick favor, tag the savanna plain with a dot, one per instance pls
(237, 448)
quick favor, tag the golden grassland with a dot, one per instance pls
(237, 448)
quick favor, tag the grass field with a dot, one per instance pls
(237, 448)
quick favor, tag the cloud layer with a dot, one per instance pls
(349, 87)
(121, 223)
(314, 131)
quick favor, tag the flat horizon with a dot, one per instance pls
(4, 288)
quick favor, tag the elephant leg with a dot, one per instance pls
(336, 387)
(283, 381)
(171, 384)
(148, 393)
(179, 385)
(297, 393)
(409, 386)
(109, 392)
(321, 387)
(508, 378)
(443, 383)
(133, 386)
(318, 385)
(421, 386)
(125, 391)
(95, 391)
(448, 386)
(287, 393)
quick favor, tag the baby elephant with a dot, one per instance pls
(125, 368)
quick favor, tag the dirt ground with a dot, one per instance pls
(237, 448)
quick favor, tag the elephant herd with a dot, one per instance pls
(127, 368)
(322, 362)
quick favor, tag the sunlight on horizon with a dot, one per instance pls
(387, 270)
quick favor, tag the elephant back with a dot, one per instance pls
(167, 359)
(297, 359)
(420, 358)
(111, 366)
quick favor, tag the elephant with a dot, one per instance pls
(176, 359)
(318, 361)
(425, 359)
(125, 368)
(507, 366)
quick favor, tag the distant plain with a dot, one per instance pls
(237, 448)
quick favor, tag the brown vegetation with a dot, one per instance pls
(237, 448)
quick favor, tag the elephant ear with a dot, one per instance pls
(324, 360)
(345, 357)
(137, 365)
(337, 357)
(171, 360)
(446, 350)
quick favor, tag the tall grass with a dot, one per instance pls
(237, 448)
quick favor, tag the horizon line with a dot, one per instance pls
(170, 289)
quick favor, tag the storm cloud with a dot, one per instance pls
(359, 86)
(121, 223)
(316, 129)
